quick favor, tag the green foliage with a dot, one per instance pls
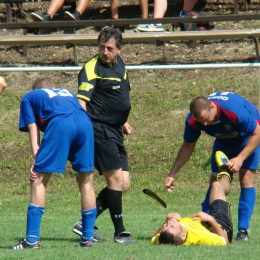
(160, 102)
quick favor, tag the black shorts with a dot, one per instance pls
(110, 152)
(220, 210)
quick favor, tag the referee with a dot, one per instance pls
(103, 91)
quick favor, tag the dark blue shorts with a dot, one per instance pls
(110, 152)
(250, 163)
(67, 138)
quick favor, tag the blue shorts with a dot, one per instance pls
(250, 163)
(67, 138)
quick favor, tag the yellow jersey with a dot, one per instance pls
(197, 234)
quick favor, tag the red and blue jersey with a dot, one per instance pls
(41, 105)
(235, 121)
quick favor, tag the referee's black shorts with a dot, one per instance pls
(110, 152)
(220, 210)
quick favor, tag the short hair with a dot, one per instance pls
(167, 238)
(43, 82)
(198, 104)
(109, 32)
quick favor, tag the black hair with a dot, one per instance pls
(167, 238)
(198, 104)
(109, 32)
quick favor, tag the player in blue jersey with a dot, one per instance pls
(68, 135)
(234, 123)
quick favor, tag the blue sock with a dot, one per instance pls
(205, 203)
(246, 207)
(88, 221)
(34, 217)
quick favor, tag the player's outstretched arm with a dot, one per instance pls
(183, 156)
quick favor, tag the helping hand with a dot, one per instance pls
(168, 184)
(234, 164)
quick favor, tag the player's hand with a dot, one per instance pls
(173, 215)
(234, 164)
(168, 184)
(127, 128)
(202, 216)
(32, 175)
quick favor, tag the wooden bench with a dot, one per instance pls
(163, 38)
(35, 26)
(19, 3)
(134, 21)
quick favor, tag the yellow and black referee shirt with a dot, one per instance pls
(106, 89)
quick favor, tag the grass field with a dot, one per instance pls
(159, 105)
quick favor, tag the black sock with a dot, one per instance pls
(101, 201)
(114, 200)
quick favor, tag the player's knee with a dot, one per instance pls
(247, 179)
(126, 187)
(127, 184)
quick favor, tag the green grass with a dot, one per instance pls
(160, 102)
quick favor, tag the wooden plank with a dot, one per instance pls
(191, 35)
(49, 39)
(165, 20)
(130, 37)
(82, 39)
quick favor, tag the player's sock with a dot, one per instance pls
(114, 198)
(88, 221)
(34, 217)
(246, 207)
(101, 201)
(205, 203)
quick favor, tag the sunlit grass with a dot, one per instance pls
(160, 102)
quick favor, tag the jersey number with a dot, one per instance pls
(58, 92)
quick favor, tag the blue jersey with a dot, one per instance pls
(235, 121)
(41, 105)
(68, 131)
